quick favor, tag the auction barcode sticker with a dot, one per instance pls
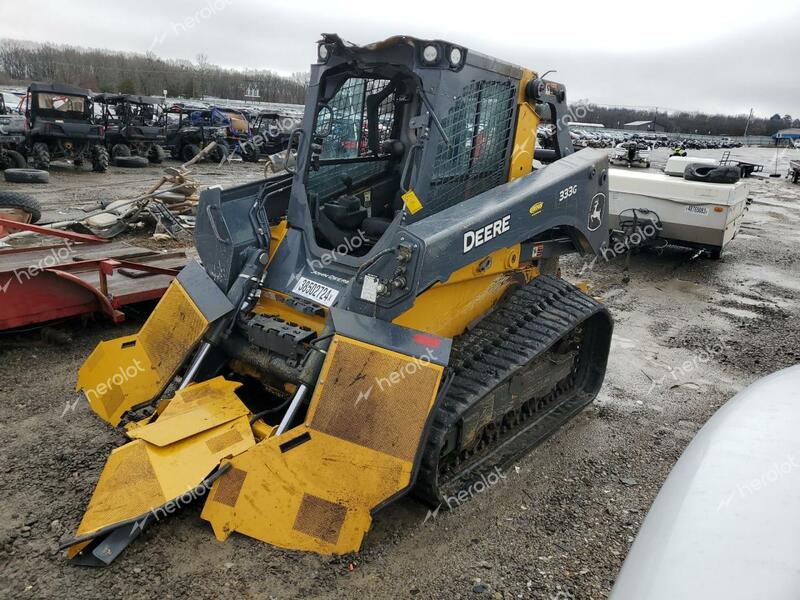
(310, 289)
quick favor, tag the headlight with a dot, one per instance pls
(323, 52)
(430, 54)
(455, 56)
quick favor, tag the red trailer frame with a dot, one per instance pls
(114, 275)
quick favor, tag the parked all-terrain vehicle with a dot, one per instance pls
(238, 133)
(272, 131)
(12, 138)
(188, 132)
(132, 126)
(60, 126)
(229, 127)
(794, 171)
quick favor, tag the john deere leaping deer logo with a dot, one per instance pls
(596, 212)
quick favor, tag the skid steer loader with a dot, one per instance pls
(387, 317)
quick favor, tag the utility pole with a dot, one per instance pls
(747, 125)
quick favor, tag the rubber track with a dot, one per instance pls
(531, 321)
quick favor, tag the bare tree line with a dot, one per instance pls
(107, 71)
(689, 122)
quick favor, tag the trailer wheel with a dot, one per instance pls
(21, 201)
(26, 176)
(118, 150)
(189, 151)
(100, 159)
(41, 156)
(715, 253)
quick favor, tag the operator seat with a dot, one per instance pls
(342, 217)
(374, 227)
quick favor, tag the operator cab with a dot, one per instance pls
(402, 129)
(360, 141)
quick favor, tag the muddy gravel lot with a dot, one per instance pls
(690, 333)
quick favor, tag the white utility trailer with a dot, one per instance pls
(688, 213)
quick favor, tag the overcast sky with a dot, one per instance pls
(694, 55)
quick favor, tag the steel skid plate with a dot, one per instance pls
(164, 467)
(123, 373)
(315, 487)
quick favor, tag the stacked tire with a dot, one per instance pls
(24, 202)
(712, 173)
(26, 176)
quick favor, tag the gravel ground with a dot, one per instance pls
(557, 525)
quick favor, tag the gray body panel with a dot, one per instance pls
(426, 347)
(563, 207)
(439, 239)
(726, 524)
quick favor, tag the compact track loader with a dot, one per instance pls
(387, 317)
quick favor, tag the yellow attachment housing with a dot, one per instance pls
(126, 372)
(170, 457)
(314, 487)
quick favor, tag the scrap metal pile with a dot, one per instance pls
(170, 204)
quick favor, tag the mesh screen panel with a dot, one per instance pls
(229, 486)
(479, 128)
(320, 518)
(376, 399)
(348, 135)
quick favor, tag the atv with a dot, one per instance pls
(60, 126)
(238, 133)
(12, 138)
(189, 129)
(131, 126)
(273, 130)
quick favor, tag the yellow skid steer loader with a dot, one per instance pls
(387, 317)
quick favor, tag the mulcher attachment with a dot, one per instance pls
(313, 487)
(165, 466)
(126, 372)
